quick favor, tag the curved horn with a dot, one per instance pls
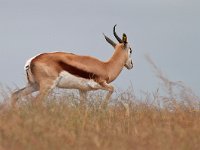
(116, 36)
(109, 40)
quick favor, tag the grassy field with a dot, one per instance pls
(169, 121)
(127, 123)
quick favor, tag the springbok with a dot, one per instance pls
(66, 70)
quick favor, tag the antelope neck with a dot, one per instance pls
(115, 65)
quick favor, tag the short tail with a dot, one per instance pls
(29, 74)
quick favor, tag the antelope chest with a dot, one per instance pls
(69, 81)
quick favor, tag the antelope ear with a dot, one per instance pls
(124, 38)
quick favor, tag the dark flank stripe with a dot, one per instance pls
(76, 71)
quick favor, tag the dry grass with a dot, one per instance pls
(169, 122)
(128, 123)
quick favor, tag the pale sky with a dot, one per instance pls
(167, 30)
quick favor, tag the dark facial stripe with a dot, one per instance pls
(76, 71)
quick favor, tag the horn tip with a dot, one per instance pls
(104, 35)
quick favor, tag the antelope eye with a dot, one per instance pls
(130, 50)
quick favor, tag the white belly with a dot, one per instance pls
(69, 81)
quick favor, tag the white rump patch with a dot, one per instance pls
(28, 62)
(28, 71)
(69, 81)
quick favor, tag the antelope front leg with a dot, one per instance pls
(110, 90)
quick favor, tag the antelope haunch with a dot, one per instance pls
(85, 73)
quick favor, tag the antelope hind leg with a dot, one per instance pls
(45, 88)
(23, 92)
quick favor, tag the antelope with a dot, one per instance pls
(70, 71)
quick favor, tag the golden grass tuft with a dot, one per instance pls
(126, 124)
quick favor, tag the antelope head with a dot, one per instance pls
(123, 47)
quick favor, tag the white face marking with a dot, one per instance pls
(129, 62)
(69, 81)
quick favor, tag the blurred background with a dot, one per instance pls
(168, 31)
